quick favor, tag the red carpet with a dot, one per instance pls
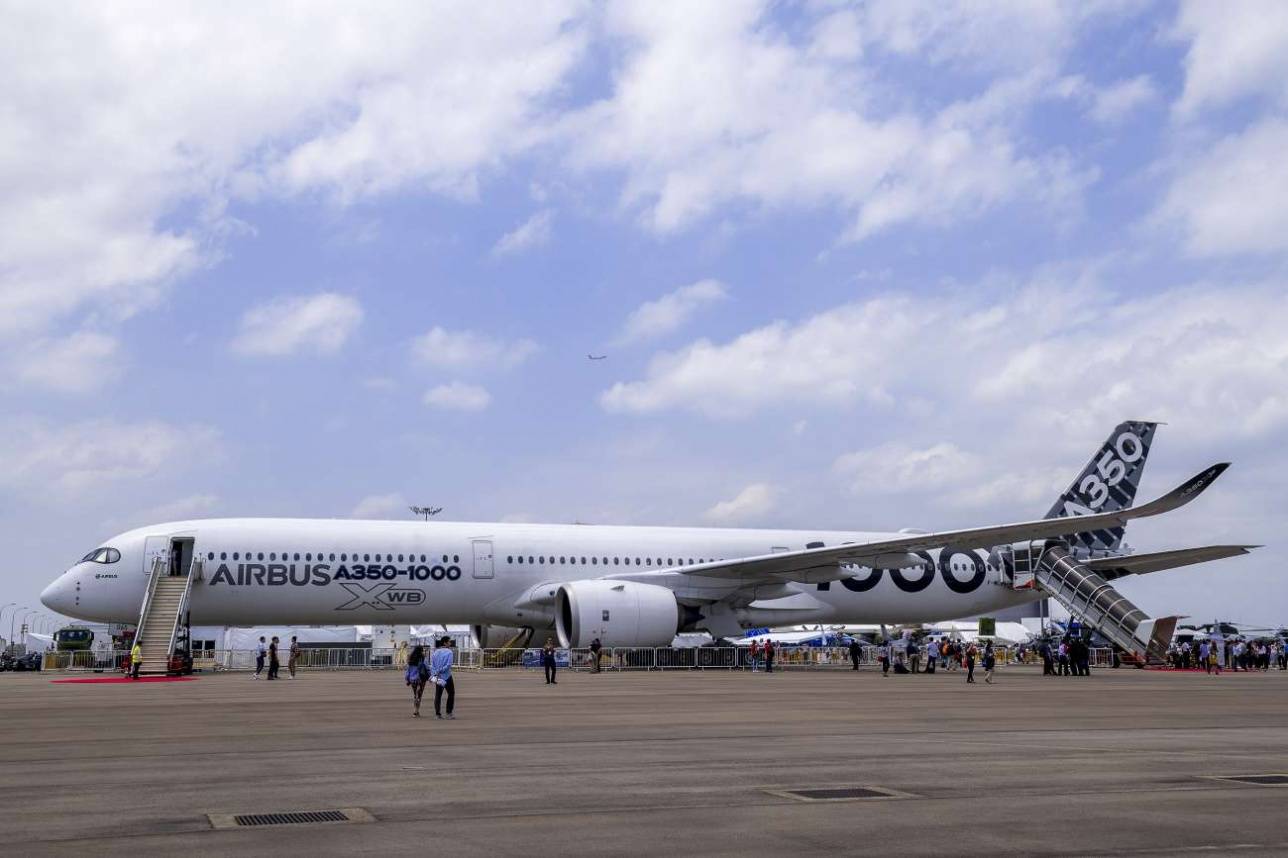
(102, 680)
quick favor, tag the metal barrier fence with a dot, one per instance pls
(1102, 657)
(614, 659)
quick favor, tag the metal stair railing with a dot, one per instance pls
(158, 568)
(194, 572)
(1086, 594)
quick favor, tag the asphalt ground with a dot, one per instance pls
(1119, 763)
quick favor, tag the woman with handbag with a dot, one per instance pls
(417, 675)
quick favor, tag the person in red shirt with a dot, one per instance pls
(769, 656)
(755, 655)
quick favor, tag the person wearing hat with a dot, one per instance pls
(440, 673)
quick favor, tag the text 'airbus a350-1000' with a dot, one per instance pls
(640, 586)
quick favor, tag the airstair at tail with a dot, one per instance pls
(1050, 566)
(163, 605)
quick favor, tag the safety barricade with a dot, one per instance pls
(1102, 657)
(579, 659)
(82, 660)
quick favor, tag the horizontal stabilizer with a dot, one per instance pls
(1141, 564)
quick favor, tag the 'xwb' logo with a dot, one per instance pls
(382, 597)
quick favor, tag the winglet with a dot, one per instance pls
(1181, 495)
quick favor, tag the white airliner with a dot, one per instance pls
(640, 586)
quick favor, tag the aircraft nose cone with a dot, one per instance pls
(57, 596)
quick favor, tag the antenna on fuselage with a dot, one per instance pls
(425, 511)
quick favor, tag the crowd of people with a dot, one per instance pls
(1070, 657)
(910, 656)
(1234, 655)
(268, 652)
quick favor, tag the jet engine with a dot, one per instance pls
(619, 613)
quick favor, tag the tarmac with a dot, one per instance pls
(680, 763)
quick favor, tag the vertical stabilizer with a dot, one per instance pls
(1107, 483)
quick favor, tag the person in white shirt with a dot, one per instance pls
(261, 652)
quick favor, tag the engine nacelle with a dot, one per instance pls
(619, 613)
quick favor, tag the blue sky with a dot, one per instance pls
(853, 265)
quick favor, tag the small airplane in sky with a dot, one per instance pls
(597, 357)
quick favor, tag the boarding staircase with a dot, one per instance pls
(164, 603)
(510, 652)
(1048, 565)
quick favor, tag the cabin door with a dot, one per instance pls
(483, 563)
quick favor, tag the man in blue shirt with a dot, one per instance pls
(440, 673)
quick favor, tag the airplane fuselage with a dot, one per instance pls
(322, 572)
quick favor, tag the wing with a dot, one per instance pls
(1141, 564)
(824, 564)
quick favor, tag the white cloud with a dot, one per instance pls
(1237, 50)
(79, 363)
(999, 35)
(180, 509)
(751, 504)
(837, 356)
(1119, 100)
(896, 467)
(380, 506)
(94, 456)
(1112, 103)
(1088, 357)
(1233, 196)
(440, 347)
(318, 324)
(664, 315)
(101, 159)
(533, 232)
(458, 396)
(715, 105)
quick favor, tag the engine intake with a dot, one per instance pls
(619, 613)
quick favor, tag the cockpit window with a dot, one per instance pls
(102, 555)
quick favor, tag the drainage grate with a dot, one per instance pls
(305, 817)
(295, 817)
(1260, 780)
(839, 793)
